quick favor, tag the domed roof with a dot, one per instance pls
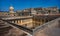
(11, 7)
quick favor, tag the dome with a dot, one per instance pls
(11, 7)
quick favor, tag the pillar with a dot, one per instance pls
(12, 21)
(33, 22)
(21, 21)
(16, 21)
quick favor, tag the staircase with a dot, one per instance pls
(4, 28)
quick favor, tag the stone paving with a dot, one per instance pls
(51, 30)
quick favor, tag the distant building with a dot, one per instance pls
(8, 13)
(24, 12)
(49, 10)
(4, 13)
(30, 11)
(12, 13)
(33, 11)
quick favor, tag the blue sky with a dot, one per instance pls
(22, 4)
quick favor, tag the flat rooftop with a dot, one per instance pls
(18, 17)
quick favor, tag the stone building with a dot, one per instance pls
(24, 12)
(11, 11)
(4, 13)
(49, 10)
(33, 11)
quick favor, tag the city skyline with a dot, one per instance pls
(23, 4)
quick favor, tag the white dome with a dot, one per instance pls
(11, 7)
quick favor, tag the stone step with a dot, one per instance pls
(2, 22)
(5, 30)
(4, 26)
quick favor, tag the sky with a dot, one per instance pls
(23, 4)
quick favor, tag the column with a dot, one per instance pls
(33, 22)
(21, 22)
(12, 21)
(16, 21)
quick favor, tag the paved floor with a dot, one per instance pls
(50, 30)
